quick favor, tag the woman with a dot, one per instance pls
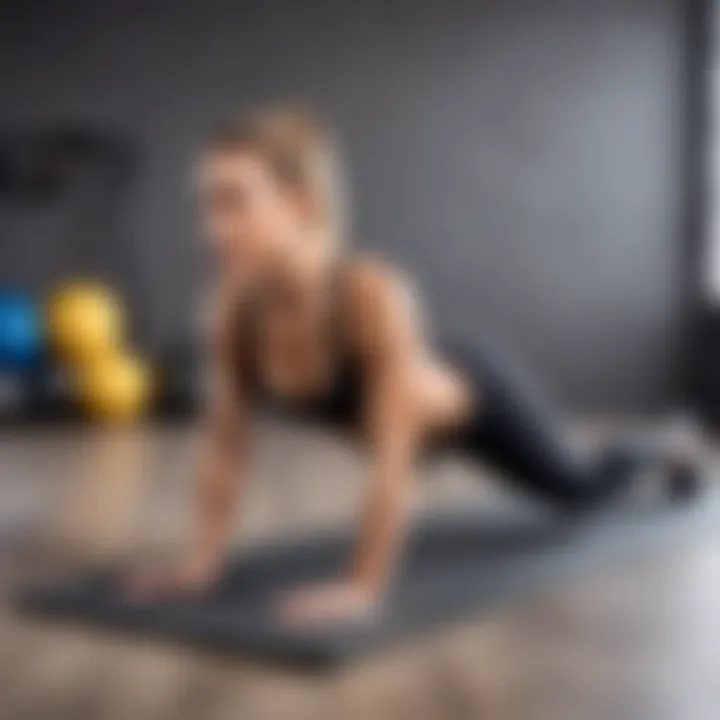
(339, 338)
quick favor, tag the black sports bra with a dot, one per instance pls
(340, 403)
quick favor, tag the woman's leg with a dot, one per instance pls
(516, 430)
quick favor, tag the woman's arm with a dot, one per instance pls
(388, 338)
(224, 446)
(393, 434)
(224, 441)
(389, 342)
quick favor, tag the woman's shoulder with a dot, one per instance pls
(370, 278)
(382, 298)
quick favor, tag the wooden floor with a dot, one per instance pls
(638, 641)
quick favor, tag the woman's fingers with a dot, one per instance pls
(334, 602)
(155, 584)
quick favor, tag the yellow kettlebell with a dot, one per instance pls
(116, 389)
(85, 322)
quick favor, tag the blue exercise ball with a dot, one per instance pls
(20, 331)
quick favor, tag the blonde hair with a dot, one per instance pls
(300, 151)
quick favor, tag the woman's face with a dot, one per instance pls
(248, 217)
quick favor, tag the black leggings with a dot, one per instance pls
(514, 429)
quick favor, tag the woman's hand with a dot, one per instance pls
(185, 579)
(328, 603)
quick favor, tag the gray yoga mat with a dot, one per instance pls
(455, 566)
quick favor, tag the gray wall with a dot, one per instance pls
(521, 157)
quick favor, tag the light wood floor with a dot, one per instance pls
(640, 640)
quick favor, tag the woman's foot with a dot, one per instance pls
(657, 467)
(676, 471)
(684, 482)
(683, 476)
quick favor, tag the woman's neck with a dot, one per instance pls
(306, 272)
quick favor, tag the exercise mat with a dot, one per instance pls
(455, 566)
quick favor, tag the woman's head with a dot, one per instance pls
(269, 185)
